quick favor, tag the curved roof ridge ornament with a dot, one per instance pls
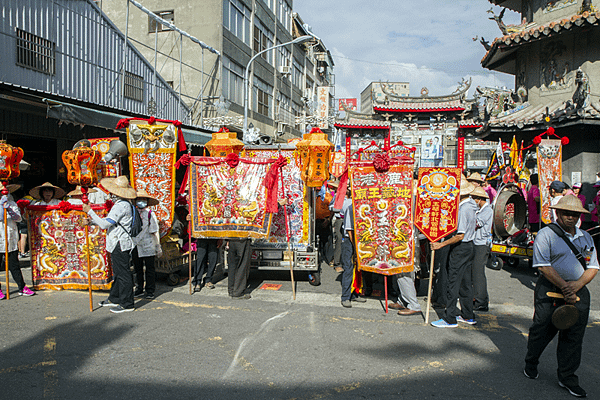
(458, 94)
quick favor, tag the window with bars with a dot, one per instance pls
(263, 39)
(35, 52)
(168, 16)
(263, 97)
(134, 87)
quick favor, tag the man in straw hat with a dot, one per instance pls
(481, 248)
(46, 194)
(76, 195)
(561, 271)
(460, 259)
(13, 216)
(147, 247)
(475, 179)
(119, 243)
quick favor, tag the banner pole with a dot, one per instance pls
(6, 254)
(189, 227)
(430, 284)
(386, 293)
(84, 200)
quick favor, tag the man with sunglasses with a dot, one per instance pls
(566, 259)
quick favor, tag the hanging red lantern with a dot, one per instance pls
(81, 164)
(10, 157)
(224, 143)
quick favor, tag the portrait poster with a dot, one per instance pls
(153, 149)
(59, 252)
(297, 210)
(382, 207)
(432, 150)
(229, 202)
(549, 160)
(436, 209)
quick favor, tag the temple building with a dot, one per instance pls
(554, 57)
(433, 124)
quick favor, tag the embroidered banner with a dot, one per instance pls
(106, 170)
(298, 210)
(549, 156)
(153, 148)
(59, 252)
(337, 163)
(382, 206)
(229, 202)
(436, 209)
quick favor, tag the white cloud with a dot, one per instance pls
(428, 43)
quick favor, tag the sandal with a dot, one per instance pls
(209, 285)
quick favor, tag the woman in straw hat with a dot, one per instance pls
(460, 261)
(119, 243)
(13, 215)
(76, 195)
(148, 246)
(481, 248)
(560, 271)
(46, 194)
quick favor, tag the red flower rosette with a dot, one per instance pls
(381, 163)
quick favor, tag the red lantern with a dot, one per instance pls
(82, 165)
(224, 143)
(10, 157)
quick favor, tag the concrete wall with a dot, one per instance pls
(543, 12)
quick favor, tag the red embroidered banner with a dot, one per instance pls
(298, 211)
(436, 211)
(337, 163)
(382, 206)
(549, 158)
(227, 201)
(59, 252)
(153, 148)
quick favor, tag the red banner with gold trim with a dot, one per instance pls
(153, 149)
(436, 209)
(549, 159)
(382, 206)
(229, 202)
(59, 252)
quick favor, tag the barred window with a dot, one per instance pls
(134, 87)
(263, 97)
(168, 16)
(35, 52)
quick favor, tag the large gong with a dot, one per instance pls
(510, 212)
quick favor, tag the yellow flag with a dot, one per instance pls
(514, 154)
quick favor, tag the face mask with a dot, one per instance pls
(142, 203)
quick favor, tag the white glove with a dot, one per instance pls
(4, 201)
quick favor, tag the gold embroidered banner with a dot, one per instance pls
(153, 149)
(549, 156)
(229, 201)
(436, 211)
(59, 252)
(382, 206)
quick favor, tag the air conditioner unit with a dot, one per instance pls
(285, 70)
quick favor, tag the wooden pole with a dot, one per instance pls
(189, 227)
(430, 284)
(6, 252)
(84, 200)
(288, 253)
(386, 294)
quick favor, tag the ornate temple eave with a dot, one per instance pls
(430, 108)
(514, 5)
(459, 94)
(502, 47)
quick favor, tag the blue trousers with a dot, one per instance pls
(348, 265)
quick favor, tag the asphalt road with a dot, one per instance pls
(208, 346)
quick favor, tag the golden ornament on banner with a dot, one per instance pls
(313, 157)
(223, 143)
(81, 164)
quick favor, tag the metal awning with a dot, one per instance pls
(108, 120)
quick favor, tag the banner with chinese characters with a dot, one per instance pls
(323, 106)
(152, 152)
(337, 163)
(298, 211)
(436, 209)
(229, 201)
(105, 169)
(549, 160)
(58, 248)
(382, 206)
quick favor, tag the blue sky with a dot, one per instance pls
(428, 43)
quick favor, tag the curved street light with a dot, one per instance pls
(246, 80)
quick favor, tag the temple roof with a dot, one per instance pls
(424, 103)
(503, 47)
(356, 120)
(514, 5)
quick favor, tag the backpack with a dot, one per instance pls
(136, 224)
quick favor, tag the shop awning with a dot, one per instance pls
(75, 114)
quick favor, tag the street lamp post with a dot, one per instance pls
(246, 80)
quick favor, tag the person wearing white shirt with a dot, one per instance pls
(147, 246)
(119, 243)
(46, 195)
(481, 248)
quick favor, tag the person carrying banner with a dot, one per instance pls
(13, 216)
(567, 261)
(481, 248)
(348, 253)
(147, 246)
(46, 195)
(119, 243)
(460, 260)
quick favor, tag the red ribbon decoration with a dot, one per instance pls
(232, 160)
(66, 207)
(381, 163)
(340, 195)
(184, 160)
(271, 183)
(23, 203)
